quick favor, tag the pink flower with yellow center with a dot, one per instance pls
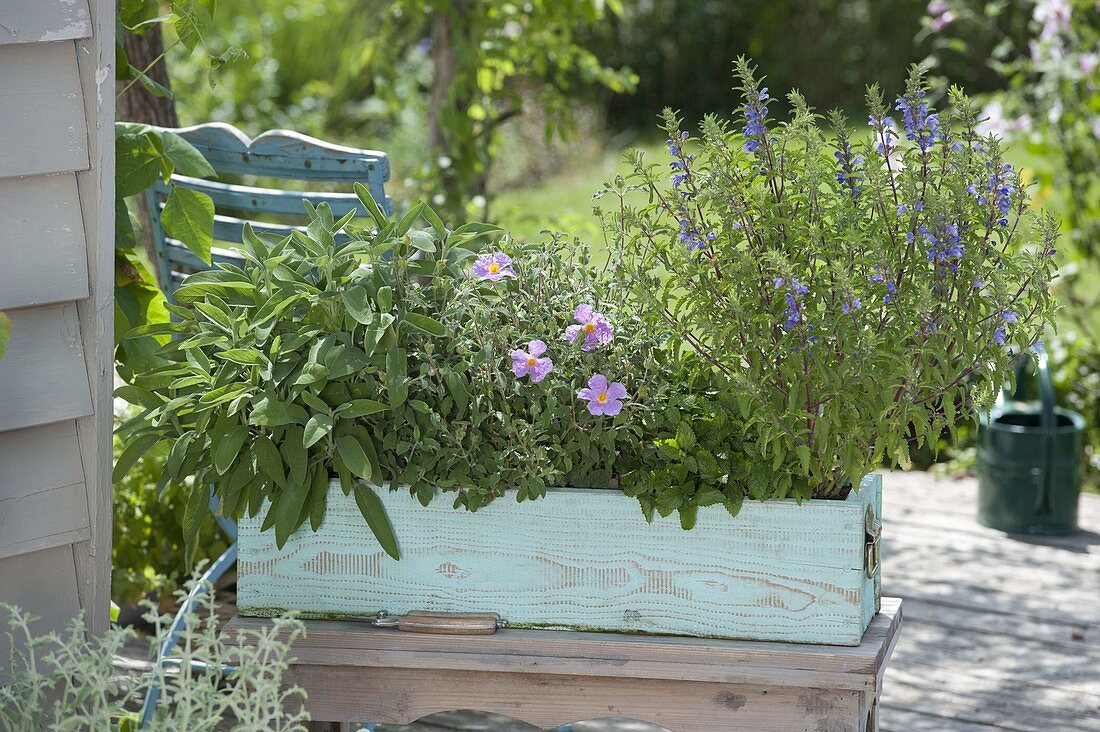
(495, 266)
(531, 362)
(593, 327)
(603, 397)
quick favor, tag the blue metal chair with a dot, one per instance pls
(278, 155)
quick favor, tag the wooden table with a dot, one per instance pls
(548, 678)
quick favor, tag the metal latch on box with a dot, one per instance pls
(872, 529)
(438, 623)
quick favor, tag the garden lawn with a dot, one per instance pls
(564, 201)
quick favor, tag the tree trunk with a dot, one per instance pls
(443, 72)
(136, 104)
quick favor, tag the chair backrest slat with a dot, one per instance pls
(277, 154)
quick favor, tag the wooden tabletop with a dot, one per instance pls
(342, 643)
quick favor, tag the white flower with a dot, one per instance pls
(994, 121)
(1087, 62)
(1053, 16)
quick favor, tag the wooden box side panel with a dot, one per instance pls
(581, 559)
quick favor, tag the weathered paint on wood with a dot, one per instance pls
(42, 21)
(42, 114)
(42, 498)
(351, 671)
(96, 187)
(47, 577)
(42, 243)
(583, 559)
(56, 252)
(42, 376)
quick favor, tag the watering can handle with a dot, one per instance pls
(1047, 421)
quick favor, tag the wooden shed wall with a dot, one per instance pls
(56, 286)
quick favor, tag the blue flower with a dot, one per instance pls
(691, 236)
(884, 127)
(1000, 187)
(848, 164)
(921, 126)
(793, 310)
(756, 114)
(946, 249)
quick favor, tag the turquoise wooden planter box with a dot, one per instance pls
(586, 560)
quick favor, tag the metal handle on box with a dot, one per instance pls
(441, 623)
(872, 528)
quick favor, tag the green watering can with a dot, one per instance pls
(1029, 460)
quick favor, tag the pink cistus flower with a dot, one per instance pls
(495, 266)
(602, 397)
(531, 362)
(592, 326)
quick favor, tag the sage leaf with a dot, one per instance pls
(270, 412)
(354, 457)
(397, 388)
(316, 428)
(133, 452)
(384, 298)
(245, 356)
(269, 461)
(361, 408)
(318, 498)
(290, 501)
(227, 448)
(375, 514)
(295, 455)
(357, 302)
(431, 326)
(194, 511)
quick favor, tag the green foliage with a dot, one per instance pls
(144, 154)
(266, 364)
(385, 361)
(854, 296)
(434, 80)
(5, 333)
(148, 554)
(480, 51)
(1045, 54)
(682, 51)
(193, 22)
(67, 681)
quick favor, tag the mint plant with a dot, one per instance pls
(854, 293)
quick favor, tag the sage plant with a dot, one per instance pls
(856, 292)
